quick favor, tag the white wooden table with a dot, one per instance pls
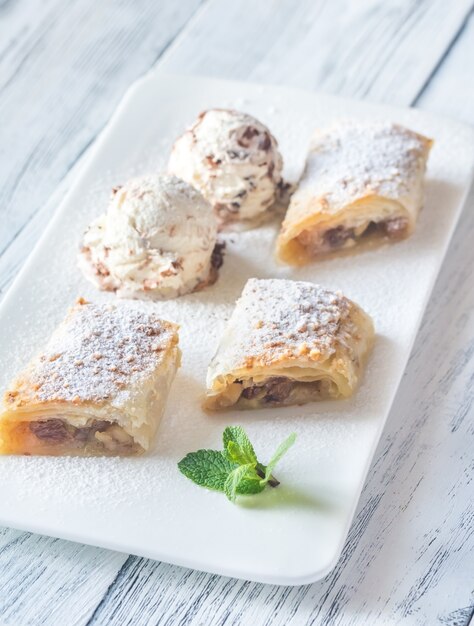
(409, 557)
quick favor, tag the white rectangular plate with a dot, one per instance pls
(290, 535)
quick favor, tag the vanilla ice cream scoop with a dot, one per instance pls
(234, 161)
(157, 240)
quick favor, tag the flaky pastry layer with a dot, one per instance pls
(288, 342)
(362, 181)
(99, 387)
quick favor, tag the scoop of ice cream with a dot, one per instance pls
(234, 161)
(156, 240)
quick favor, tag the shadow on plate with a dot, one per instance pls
(285, 496)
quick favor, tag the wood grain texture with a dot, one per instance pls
(63, 68)
(383, 51)
(409, 555)
(49, 581)
(451, 92)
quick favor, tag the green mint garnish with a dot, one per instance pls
(234, 479)
(208, 468)
(280, 452)
(236, 469)
(237, 445)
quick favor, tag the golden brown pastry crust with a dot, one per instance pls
(283, 330)
(98, 387)
(360, 179)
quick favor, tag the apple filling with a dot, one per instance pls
(282, 391)
(317, 241)
(56, 436)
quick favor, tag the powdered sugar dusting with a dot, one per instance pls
(350, 160)
(277, 318)
(95, 354)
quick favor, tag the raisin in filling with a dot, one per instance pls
(280, 390)
(337, 237)
(99, 433)
(274, 390)
(341, 236)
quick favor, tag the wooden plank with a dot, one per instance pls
(49, 581)
(451, 92)
(373, 583)
(28, 234)
(384, 51)
(61, 77)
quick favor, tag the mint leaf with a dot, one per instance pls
(207, 468)
(234, 479)
(280, 452)
(249, 486)
(236, 470)
(235, 454)
(237, 445)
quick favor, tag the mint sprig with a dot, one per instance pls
(279, 453)
(234, 479)
(208, 468)
(235, 470)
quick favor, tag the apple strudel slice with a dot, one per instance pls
(99, 387)
(362, 181)
(288, 342)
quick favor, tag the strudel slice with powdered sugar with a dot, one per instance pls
(288, 342)
(362, 181)
(99, 387)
